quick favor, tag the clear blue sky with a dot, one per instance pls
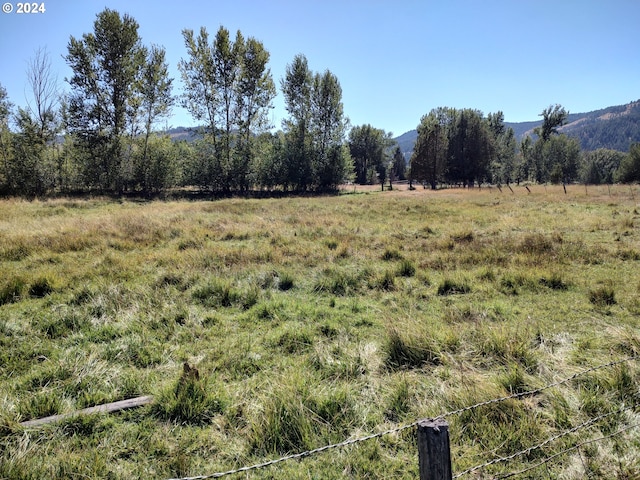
(395, 59)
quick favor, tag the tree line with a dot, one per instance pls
(104, 134)
(464, 147)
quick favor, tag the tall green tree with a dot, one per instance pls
(553, 157)
(399, 164)
(502, 168)
(155, 102)
(470, 148)
(229, 86)
(367, 146)
(429, 158)
(296, 87)
(629, 170)
(6, 150)
(106, 67)
(331, 163)
(524, 168)
(600, 166)
(255, 91)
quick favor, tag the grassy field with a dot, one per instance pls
(314, 320)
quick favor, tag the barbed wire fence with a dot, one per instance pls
(401, 428)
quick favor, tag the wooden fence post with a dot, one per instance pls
(434, 455)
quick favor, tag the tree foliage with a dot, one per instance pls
(600, 166)
(368, 146)
(107, 65)
(229, 87)
(105, 134)
(629, 171)
(429, 161)
(455, 146)
(315, 156)
(553, 117)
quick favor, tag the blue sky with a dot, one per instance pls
(395, 60)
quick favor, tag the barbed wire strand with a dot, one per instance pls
(302, 454)
(534, 391)
(549, 440)
(564, 452)
(407, 426)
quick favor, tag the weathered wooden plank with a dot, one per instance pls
(105, 408)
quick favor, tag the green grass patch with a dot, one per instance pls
(314, 320)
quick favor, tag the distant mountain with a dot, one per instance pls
(615, 128)
(183, 133)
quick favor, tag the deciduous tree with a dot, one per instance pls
(106, 67)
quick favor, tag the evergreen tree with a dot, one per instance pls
(629, 171)
(399, 164)
(470, 148)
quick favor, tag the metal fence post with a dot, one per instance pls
(434, 455)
